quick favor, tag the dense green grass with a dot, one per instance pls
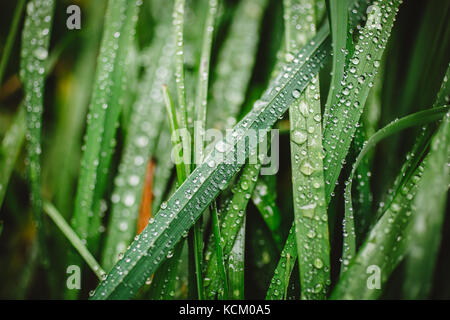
(358, 90)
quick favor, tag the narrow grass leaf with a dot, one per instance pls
(338, 17)
(358, 77)
(219, 251)
(34, 53)
(280, 281)
(163, 285)
(11, 37)
(77, 243)
(199, 130)
(311, 220)
(233, 218)
(236, 266)
(9, 150)
(264, 198)
(178, 23)
(108, 75)
(235, 64)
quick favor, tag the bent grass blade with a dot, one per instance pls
(419, 118)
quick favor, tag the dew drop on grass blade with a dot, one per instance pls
(310, 216)
(34, 53)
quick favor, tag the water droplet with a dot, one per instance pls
(299, 137)
(296, 94)
(306, 168)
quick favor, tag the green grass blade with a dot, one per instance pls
(362, 197)
(199, 129)
(280, 281)
(393, 231)
(9, 150)
(236, 266)
(203, 78)
(163, 285)
(443, 96)
(176, 138)
(118, 21)
(13, 140)
(233, 218)
(140, 143)
(163, 168)
(219, 251)
(429, 208)
(416, 119)
(34, 53)
(338, 17)
(359, 77)
(235, 64)
(115, 104)
(164, 281)
(77, 243)
(264, 198)
(178, 22)
(311, 220)
(187, 203)
(11, 37)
